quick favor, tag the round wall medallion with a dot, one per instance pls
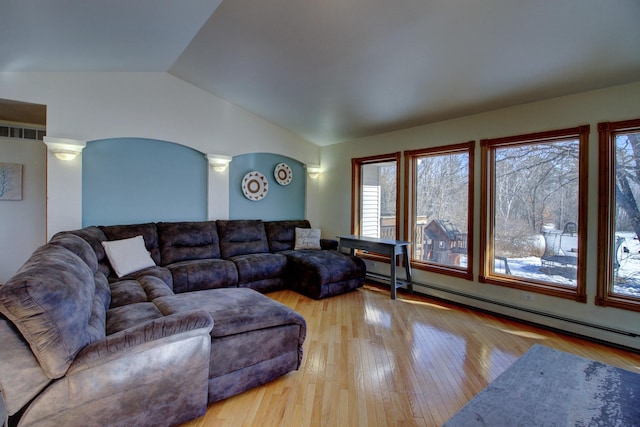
(255, 186)
(283, 174)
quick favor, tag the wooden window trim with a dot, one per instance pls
(356, 186)
(607, 132)
(487, 213)
(410, 201)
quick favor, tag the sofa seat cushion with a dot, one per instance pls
(127, 316)
(201, 274)
(159, 272)
(145, 289)
(255, 267)
(127, 292)
(234, 310)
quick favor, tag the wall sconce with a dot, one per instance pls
(63, 148)
(218, 162)
(313, 171)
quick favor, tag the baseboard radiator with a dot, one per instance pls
(384, 280)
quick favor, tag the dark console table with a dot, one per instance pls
(393, 248)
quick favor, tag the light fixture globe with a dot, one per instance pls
(313, 171)
(218, 162)
(64, 148)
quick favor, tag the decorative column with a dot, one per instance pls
(218, 188)
(64, 184)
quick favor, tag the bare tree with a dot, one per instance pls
(387, 180)
(534, 184)
(441, 188)
(628, 180)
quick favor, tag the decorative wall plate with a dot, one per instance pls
(283, 174)
(255, 186)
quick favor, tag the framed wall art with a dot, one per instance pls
(255, 186)
(283, 174)
(10, 181)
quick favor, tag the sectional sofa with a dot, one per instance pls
(98, 331)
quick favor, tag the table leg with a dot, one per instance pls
(407, 266)
(393, 274)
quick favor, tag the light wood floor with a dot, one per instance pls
(370, 361)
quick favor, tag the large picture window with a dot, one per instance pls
(534, 212)
(619, 215)
(375, 197)
(440, 208)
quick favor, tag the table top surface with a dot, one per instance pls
(392, 242)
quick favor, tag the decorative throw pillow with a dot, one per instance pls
(128, 255)
(307, 238)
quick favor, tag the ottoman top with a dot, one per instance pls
(234, 310)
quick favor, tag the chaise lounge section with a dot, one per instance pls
(311, 272)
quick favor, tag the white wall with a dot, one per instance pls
(90, 106)
(22, 222)
(611, 104)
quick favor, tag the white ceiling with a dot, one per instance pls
(334, 70)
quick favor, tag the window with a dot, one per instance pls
(440, 208)
(375, 202)
(619, 215)
(533, 194)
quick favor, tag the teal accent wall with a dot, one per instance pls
(136, 180)
(281, 202)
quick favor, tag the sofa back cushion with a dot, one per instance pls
(242, 237)
(94, 236)
(281, 234)
(52, 301)
(85, 251)
(78, 246)
(186, 241)
(148, 232)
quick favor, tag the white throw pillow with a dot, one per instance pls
(128, 255)
(307, 238)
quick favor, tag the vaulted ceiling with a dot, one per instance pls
(334, 70)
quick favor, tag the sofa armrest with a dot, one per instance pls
(133, 339)
(331, 244)
(154, 374)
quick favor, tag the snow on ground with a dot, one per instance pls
(531, 268)
(627, 279)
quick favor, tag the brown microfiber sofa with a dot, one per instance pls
(81, 346)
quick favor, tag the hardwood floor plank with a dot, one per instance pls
(372, 361)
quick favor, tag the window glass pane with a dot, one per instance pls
(441, 209)
(378, 200)
(536, 209)
(625, 255)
